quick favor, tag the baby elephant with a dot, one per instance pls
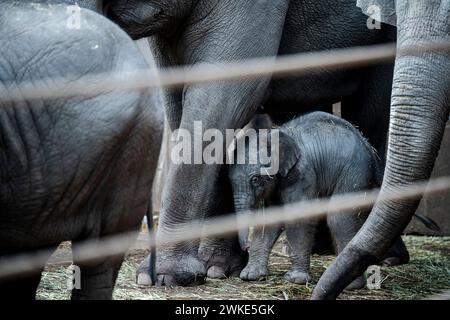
(320, 155)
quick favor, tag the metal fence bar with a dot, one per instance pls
(115, 245)
(297, 64)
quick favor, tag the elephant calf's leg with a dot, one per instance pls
(262, 242)
(300, 237)
(397, 255)
(343, 227)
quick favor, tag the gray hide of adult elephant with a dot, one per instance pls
(77, 168)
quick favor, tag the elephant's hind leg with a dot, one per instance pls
(22, 286)
(97, 280)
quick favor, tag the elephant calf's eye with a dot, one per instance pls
(255, 180)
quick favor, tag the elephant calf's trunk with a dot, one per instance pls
(243, 239)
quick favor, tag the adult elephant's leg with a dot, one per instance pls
(194, 191)
(97, 279)
(23, 286)
(222, 256)
(217, 31)
(162, 51)
(419, 111)
(369, 108)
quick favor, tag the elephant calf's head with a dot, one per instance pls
(252, 181)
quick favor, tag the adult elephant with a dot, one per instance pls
(419, 110)
(74, 168)
(196, 31)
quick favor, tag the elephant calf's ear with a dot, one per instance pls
(289, 154)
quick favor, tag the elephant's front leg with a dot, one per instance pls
(192, 193)
(189, 195)
(230, 30)
(97, 278)
(262, 242)
(300, 237)
(222, 256)
(419, 111)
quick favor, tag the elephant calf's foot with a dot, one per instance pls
(254, 272)
(358, 283)
(184, 271)
(297, 276)
(397, 255)
(394, 261)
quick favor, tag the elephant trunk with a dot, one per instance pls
(242, 208)
(419, 111)
(243, 239)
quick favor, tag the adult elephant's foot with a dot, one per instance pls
(183, 270)
(222, 258)
(173, 270)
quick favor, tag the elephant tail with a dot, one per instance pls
(428, 222)
(151, 231)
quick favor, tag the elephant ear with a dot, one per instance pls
(138, 18)
(289, 154)
(380, 10)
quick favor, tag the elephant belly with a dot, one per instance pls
(61, 183)
(311, 26)
(286, 95)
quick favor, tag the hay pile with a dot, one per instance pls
(427, 273)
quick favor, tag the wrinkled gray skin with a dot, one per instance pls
(419, 110)
(195, 31)
(320, 155)
(78, 168)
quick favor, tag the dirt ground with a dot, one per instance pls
(428, 273)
